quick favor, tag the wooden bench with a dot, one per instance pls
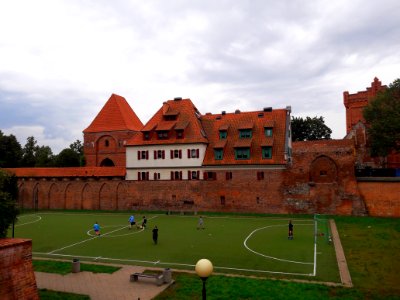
(158, 277)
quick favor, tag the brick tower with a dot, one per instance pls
(106, 136)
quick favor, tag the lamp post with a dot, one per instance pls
(204, 269)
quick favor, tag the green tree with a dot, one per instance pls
(77, 147)
(383, 120)
(44, 157)
(310, 129)
(68, 158)
(8, 204)
(10, 151)
(29, 150)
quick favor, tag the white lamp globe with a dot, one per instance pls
(204, 268)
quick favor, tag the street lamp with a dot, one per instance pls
(204, 269)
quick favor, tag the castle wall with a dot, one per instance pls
(382, 198)
(17, 279)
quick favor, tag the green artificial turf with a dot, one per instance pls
(249, 245)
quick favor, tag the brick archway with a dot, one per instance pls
(323, 170)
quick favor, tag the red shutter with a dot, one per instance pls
(205, 175)
(214, 175)
(147, 154)
(172, 175)
(138, 155)
(155, 154)
(198, 174)
(188, 153)
(180, 153)
(147, 175)
(197, 153)
(155, 176)
(138, 175)
(227, 176)
(180, 175)
(172, 154)
(189, 175)
(163, 154)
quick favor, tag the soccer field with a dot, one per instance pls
(248, 245)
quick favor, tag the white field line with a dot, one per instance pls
(315, 247)
(95, 237)
(84, 241)
(34, 221)
(168, 263)
(272, 257)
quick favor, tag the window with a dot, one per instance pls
(210, 175)
(170, 117)
(228, 175)
(144, 154)
(268, 131)
(260, 175)
(242, 153)
(218, 154)
(157, 176)
(222, 198)
(176, 175)
(223, 134)
(176, 154)
(143, 175)
(179, 134)
(193, 175)
(107, 143)
(323, 173)
(266, 152)
(159, 154)
(162, 135)
(193, 153)
(244, 133)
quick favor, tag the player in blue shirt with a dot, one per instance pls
(96, 228)
(131, 221)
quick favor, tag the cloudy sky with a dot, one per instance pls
(61, 60)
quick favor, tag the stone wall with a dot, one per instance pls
(17, 279)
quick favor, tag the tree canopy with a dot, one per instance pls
(8, 204)
(10, 151)
(310, 129)
(383, 120)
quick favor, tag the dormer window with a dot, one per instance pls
(268, 131)
(242, 153)
(267, 152)
(223, 134)
(146, 136)
(170, 117)
(245, 133)
(179, 134)
(162, 135)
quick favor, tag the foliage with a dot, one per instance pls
(45, 294)
(309, 129)
(63, 267)
(44, 157)
(67, 158)
(383, 118)
(28, 156)
(8, 205)
(10, 151)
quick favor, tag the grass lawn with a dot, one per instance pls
(62, 267)
(53, 295)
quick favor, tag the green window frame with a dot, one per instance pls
(218, 154)
(268, 131)
(245, 133)
(223, 134)
(266, 152)
(242, 153)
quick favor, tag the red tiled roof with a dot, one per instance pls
(187, 119)
(116, 114)
(235, 121)
(69, 172)
(165, 125)
(220, 143)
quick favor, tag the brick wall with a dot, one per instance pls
(382, 198)
(17, 279)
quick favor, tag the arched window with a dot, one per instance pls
(107, 163)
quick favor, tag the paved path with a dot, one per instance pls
(100, 286)
(341, 259)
